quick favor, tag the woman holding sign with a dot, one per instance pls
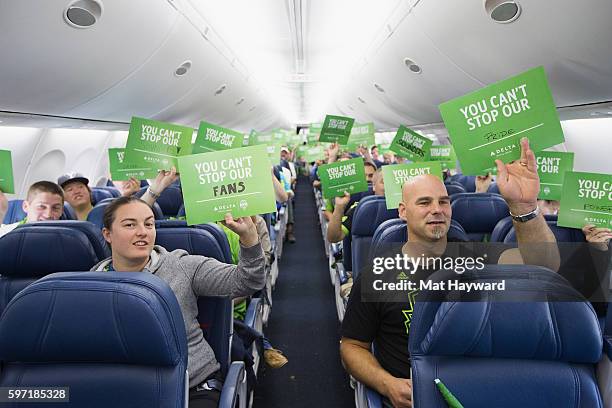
(129, 228)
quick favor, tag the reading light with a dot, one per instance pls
(83, 13)
(220, 90)
(182, 69)
(412, 66)
(379, 88)
(503, 11)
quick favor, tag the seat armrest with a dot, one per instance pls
(231, 386)
(251, 314)
(373, 398)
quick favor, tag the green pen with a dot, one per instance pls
(450, 399)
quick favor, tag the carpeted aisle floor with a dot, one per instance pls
(303, 323)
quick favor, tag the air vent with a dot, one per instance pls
(379, 88)
(240, 101)
(412, 66)
(253, 108)
(83, 13)
(360, 99)
(182, 69)
(220, 90)
(502, 11)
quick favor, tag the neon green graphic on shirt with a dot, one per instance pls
(408, 312)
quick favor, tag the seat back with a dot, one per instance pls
(170, 200)
(116, 339)
(502, 228)
(28, 253)
(562, 234)
(454, 188)
(504, 353)
(469, 182)
(98, 194)
(478, 213)
(493, 188)
(90, 230)
(369, 214)
(215, 314)
(114, 191)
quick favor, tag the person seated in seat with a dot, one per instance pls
(426, 208)
(78, 193)
(129, 228)
(44, 201)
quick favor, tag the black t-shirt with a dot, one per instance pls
(387, 324)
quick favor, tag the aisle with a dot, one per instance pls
(304, 324)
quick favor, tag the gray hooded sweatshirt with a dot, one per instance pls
(191, 276)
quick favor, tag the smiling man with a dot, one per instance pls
(44, 201)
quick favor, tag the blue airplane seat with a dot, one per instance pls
(144, 183)
(116, 339)
(99, 194)
(562, 234)
(395, 231)
(28, 253)
(93, 233)
(506, 354)
(170, 201)
(212, 228)
(454, 188)
(469, 182)
(478, 213)
(369, 214)
(111, 189)
(96, 215)
(181, 211)
(357, 197)
(493, 188)
(217, 311)
(502, 228)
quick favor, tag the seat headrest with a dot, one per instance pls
(93, 233)
(98, 195)
(169, 202)
(14, 212)
(35, 251)
(110, 317)
(479, 212)
(195, 241)
(369, 214)
(557, 330)
(562, 234)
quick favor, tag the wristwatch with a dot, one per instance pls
(526, 217)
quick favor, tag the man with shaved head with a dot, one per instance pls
(426, 209)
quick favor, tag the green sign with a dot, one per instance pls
(312, 153)
(212, 138)
(237, 181)
(338, 177)
(551, 169)
(7, 184)
(396, 175)
(154, 144)
(586, 198)
(445, 154)
(120, 169)
(314, 131)
(488, 124)
(260, 138)
(361, 135)
(336, 129)
(274, 153)
(410, 145)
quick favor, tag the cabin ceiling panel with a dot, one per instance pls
(154, 85)
(570, 39)
(50, 67)
(413, 96)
